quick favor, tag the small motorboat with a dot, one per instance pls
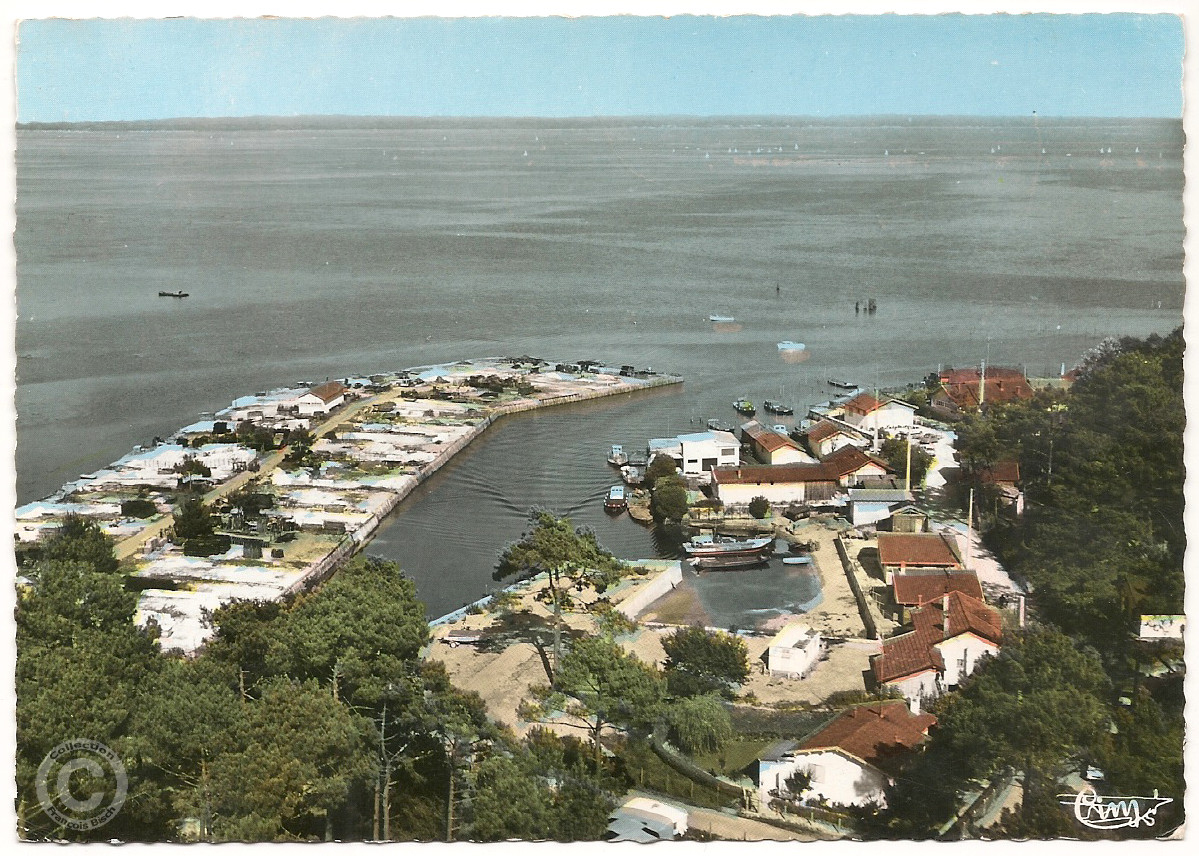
(172, 294)
(777, 407)
(718, 425)
(792, 346)
(615, 500)
(745, 407)
(632, 475)
(842, 384)
(721, 319)
(617, 456)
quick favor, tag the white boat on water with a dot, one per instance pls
(616, 501)
(617, 456)
(792, 346)
(721, 319)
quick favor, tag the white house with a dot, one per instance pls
(849, 761)
(949, 639)
(320, 399)
(706, 450)
(794, 651)
(867, 413)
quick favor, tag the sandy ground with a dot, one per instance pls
(842, 670)
(503, 679)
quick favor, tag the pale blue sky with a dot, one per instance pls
(1056, 65)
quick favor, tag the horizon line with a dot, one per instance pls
(591, 117)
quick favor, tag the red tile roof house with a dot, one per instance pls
(789, 483)
(870, 414)
(948, 640)
(851, 760)
(771, 447)
(918, 586)
(900, 551)
(1005, 477)
(961, 389)
(828, 435)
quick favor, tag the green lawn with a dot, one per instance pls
(737, 754)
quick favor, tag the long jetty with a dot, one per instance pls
(375, 439)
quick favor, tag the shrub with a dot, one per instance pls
(759, 507)
(140, 508)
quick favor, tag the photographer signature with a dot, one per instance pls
(1102, 812)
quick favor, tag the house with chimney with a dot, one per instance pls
(948, 639)
(899, 552)
(850, 761)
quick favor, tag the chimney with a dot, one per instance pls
(914, 706)
(945, 615)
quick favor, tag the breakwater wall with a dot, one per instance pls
(360, 537)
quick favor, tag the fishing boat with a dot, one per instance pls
(842, 384)
(745, 407)
(713, 551)
(718, 425)
(777, 407)
(617, 457)
(721, 319)
(172, 294)
(792, 346)
(615, 501)
(632, 475)
(797, 560)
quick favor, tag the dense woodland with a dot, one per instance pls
(1101, 542)
(315, 719)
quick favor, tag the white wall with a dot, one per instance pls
(961, 655)
(922, 686)
(741, 494)
(836, 778)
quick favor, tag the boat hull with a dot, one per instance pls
(729, 561)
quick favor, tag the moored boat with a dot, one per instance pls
(172, 294)
(792, 346)
(842, 384)
(777, 407)
(719, 425)
(721, 319)
(616, 501)
(617, 456)
(633, 475)
(744, 406)
(712, 551)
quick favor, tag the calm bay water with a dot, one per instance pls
(339, 248)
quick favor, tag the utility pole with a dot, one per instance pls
(969, 528)
(907, 480)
